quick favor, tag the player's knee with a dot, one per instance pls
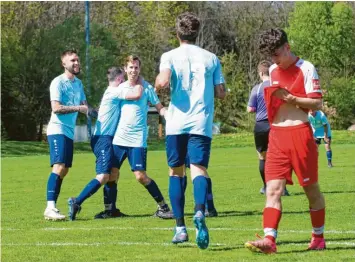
(197, 170)
(115, 174)
(141, 177)
(102, 178)
(177, 171)
(60, 169)
(262, 155)
(274, 191)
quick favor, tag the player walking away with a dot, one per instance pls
(67, 99)
(101, 142)
(130, 139)
(195, 78)
(294, 90)
(321, 130)
(257, 105)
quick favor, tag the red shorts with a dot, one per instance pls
(292, 148)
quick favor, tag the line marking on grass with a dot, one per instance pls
(171, 229)
(124, 243)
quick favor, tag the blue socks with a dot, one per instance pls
(154, 191)
(329, 156)
(210, 203)
(110, 195)
(200, 193)
(88, 191)
(53, 187)
(177, 198)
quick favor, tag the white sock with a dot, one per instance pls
(51, 204)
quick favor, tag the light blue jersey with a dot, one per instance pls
(318, 121)
(109, 112)
(194, 73)
(68, 93)
(132, 127)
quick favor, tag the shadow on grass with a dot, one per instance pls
(326, 192)
(328, 248)
(280, 243)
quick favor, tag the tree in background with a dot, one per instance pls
(324, 33)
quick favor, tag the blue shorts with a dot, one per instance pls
(137, 157)
(103, 150)
(196, 147)
(60, 150)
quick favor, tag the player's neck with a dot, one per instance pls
(291, 61)
(69, 75)
(265, 78)
(185, 42)
(132, 82)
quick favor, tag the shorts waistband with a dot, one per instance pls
(286, 128)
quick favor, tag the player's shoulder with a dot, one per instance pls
(304, 65)
(272, 67)
(124, 84)
(147, 85)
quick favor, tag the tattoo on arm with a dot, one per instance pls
(60, 109)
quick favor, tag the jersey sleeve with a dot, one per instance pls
(152, 96)
(312, 85)
(253, 98)
(165, 62)
(55, 91)
(121, 92)
(218, 77)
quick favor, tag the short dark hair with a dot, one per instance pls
(187, 26)
(132, 58)
(264, 66)
(68, 52)
(270, 40)
(113, 73)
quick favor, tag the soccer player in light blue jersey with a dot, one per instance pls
(67, 99)
(101, 142)
(130, 139)
(321, 130)
(195, 78)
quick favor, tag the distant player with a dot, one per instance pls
(294, 90)
(130, 139)
(195, 78)
(67, 99)
(257, 105)
(321, 130)
(101, 142)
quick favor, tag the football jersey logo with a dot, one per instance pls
(275, 82)
(316, 85)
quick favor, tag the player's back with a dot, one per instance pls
(193, 74)
(109, 112)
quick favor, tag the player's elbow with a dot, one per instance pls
(318, 105)
(220, 91)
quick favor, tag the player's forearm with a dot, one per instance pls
(135, 93)
(309, 103)
(251, 109)
(65, 109)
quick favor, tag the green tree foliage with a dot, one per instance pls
(324, 33)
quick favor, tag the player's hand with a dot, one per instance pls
(83, 109)
(284, 95)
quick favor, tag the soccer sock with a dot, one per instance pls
(262, 170)
(177, 196)
(58, 186)
(317, 219)
(184, 183)
(52, 189)
(200, 193)
(110, 195)
(88, 191)
(271, 219)
(329, 155)
(154, 191)
(210, 203)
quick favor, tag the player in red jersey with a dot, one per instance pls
(294, 90)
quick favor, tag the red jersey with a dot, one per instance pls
(300, 79)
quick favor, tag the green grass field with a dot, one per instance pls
(26, 236)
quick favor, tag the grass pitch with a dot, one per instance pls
(26, 236)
